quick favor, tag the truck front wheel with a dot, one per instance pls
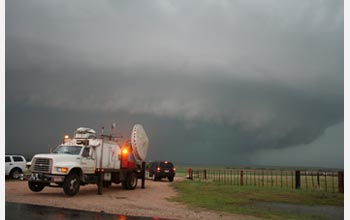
(36, 186)
(71, 185)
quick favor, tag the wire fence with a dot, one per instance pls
(328, 181)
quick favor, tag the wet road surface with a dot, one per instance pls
(15, 211)
(325, 212)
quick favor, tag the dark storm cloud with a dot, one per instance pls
(238, 76)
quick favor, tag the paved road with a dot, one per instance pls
(15, 211)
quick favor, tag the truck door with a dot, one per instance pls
(87, 161)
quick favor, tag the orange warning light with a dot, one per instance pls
(125, 151)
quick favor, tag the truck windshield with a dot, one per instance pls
(67, 150)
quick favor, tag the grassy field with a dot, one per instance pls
(242, 199)
(181, 171)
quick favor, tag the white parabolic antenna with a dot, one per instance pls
(139, 142)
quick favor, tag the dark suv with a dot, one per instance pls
(161, 169)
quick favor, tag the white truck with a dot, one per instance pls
(88, 159)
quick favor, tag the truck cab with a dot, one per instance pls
(75, 161)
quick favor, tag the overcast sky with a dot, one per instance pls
(212, 82)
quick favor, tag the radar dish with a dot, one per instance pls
(139, 142)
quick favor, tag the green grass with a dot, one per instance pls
(181, 171)
(240, 199)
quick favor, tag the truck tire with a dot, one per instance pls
(154, 177)
(36, 186)
(171, 178)
(131, 181)
(71, 185)
(16, 173)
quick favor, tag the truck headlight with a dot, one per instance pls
(62, 169)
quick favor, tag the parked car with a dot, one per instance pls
(15, 165)
(161, 169)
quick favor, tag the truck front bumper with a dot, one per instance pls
(46, 178)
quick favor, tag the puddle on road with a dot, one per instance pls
(15, 211)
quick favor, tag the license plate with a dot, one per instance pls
(166, 171)
(57, 179)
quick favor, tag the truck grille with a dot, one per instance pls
(42, 165)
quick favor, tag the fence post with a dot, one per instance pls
(263, 178)
(281, 178)
(271, 178)
(297, 179)
(205, 174)
(333, 182)
(255, 178)
(341, 182)
(241, 178)
(225, 177)
(250, 177)
(306, 183)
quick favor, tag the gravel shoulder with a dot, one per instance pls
(151, 201)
